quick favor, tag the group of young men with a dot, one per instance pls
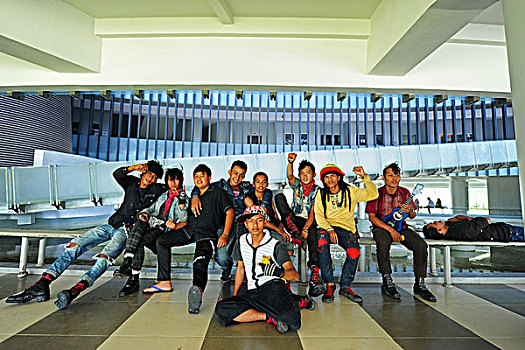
(238, 223)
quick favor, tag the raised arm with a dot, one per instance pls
(289, 168)
(121, 174)
(370, 191)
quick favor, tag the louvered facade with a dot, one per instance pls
(33, 123)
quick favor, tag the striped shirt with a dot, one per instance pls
(251, 256)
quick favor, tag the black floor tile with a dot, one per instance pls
(91, 318)
(445, 343)
(410, 318)
(507, 297)
(25, 342)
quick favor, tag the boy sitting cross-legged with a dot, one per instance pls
(266, 265)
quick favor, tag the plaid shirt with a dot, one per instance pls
(385, 203)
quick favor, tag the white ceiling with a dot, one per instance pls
(240, 8)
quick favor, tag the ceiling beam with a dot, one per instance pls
(404, 32)
(50, 34)
(222, 10)
(320, 28)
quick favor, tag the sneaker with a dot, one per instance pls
(328, 296)
(299, 241)
(421, 289)
(39, 291)
(315, 287)
(131, 286)
(65, 297)
(194, 300)
(226, 274)
(307, 303)
(349, 293)
(281, 326)
(125, 269)
(388, 288)
(291, 226)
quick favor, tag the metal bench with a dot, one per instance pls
(42, 235)
(447, 267)
(432, 245)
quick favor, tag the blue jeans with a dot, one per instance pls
(348, 242)
(223, 255)
(90, 239)
(516, 233)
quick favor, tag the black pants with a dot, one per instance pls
(203, 252)
(142, 236)
(163, 246)
(284, 211)
(272, 298)
(412, 241)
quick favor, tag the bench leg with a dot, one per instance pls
(433, 262)
(22, 267)
(41, 252)
(302, 266)
(447, 267)
(362, 260)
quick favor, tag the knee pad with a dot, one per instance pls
(323, 241)
(353, 253)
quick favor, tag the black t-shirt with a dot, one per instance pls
(215, 202)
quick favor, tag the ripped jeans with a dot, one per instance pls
(90, 239)
(348, 242)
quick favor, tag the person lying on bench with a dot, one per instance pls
(138, 194)
(265, 264)
(466, 228)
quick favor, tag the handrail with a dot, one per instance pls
(372, 161)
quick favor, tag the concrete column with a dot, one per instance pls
(513, 11)
(503, 193)
(459, 194)
(361, 206)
